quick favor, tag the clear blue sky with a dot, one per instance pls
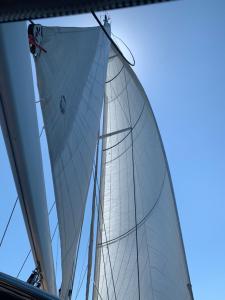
(179, 49)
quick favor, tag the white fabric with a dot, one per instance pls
(71, 78)
(162, 263)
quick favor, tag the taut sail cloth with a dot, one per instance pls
(71, 66)
(140, 252)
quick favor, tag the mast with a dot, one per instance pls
(20, 130)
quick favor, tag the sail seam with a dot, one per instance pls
(140, 223)
(131, 129)
(134, 192)
(114, 132)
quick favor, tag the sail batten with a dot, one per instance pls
(71, 76)
(139, 239)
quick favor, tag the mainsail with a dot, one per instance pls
(140, 252)
(71, 66)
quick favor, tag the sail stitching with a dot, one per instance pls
(134, 188)
(140, 223)
(131, 129)
(102, 216)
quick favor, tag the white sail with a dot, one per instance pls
(140, 253)
(20, 129)
(71, 70)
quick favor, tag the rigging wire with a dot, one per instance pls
(24, 262)
(112, 41)
(28, 254)
(14, 206)
(54, 232)
(7, 225)
(81, 283)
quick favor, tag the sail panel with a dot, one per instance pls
(71, 76)
(140, 251)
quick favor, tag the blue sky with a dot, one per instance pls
(179, 49)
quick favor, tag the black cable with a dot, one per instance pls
(112, 41)
(7, 225)
(25, 260)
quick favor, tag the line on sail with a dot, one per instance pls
(140, 223)
(134, 193)
(108, 81)
(97, 291)
(113, 43)
(119, 94)
(99, 208)
(114, 132)
(131, 129)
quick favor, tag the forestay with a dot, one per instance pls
(71, 68)
(140, 252)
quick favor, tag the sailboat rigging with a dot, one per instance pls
(136, 251)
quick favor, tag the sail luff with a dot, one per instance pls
(91, 237)
(20, 130)
(96, 292)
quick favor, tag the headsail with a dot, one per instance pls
(71, 70)
(140, 252)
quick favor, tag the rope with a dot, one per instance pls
(113, 43)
